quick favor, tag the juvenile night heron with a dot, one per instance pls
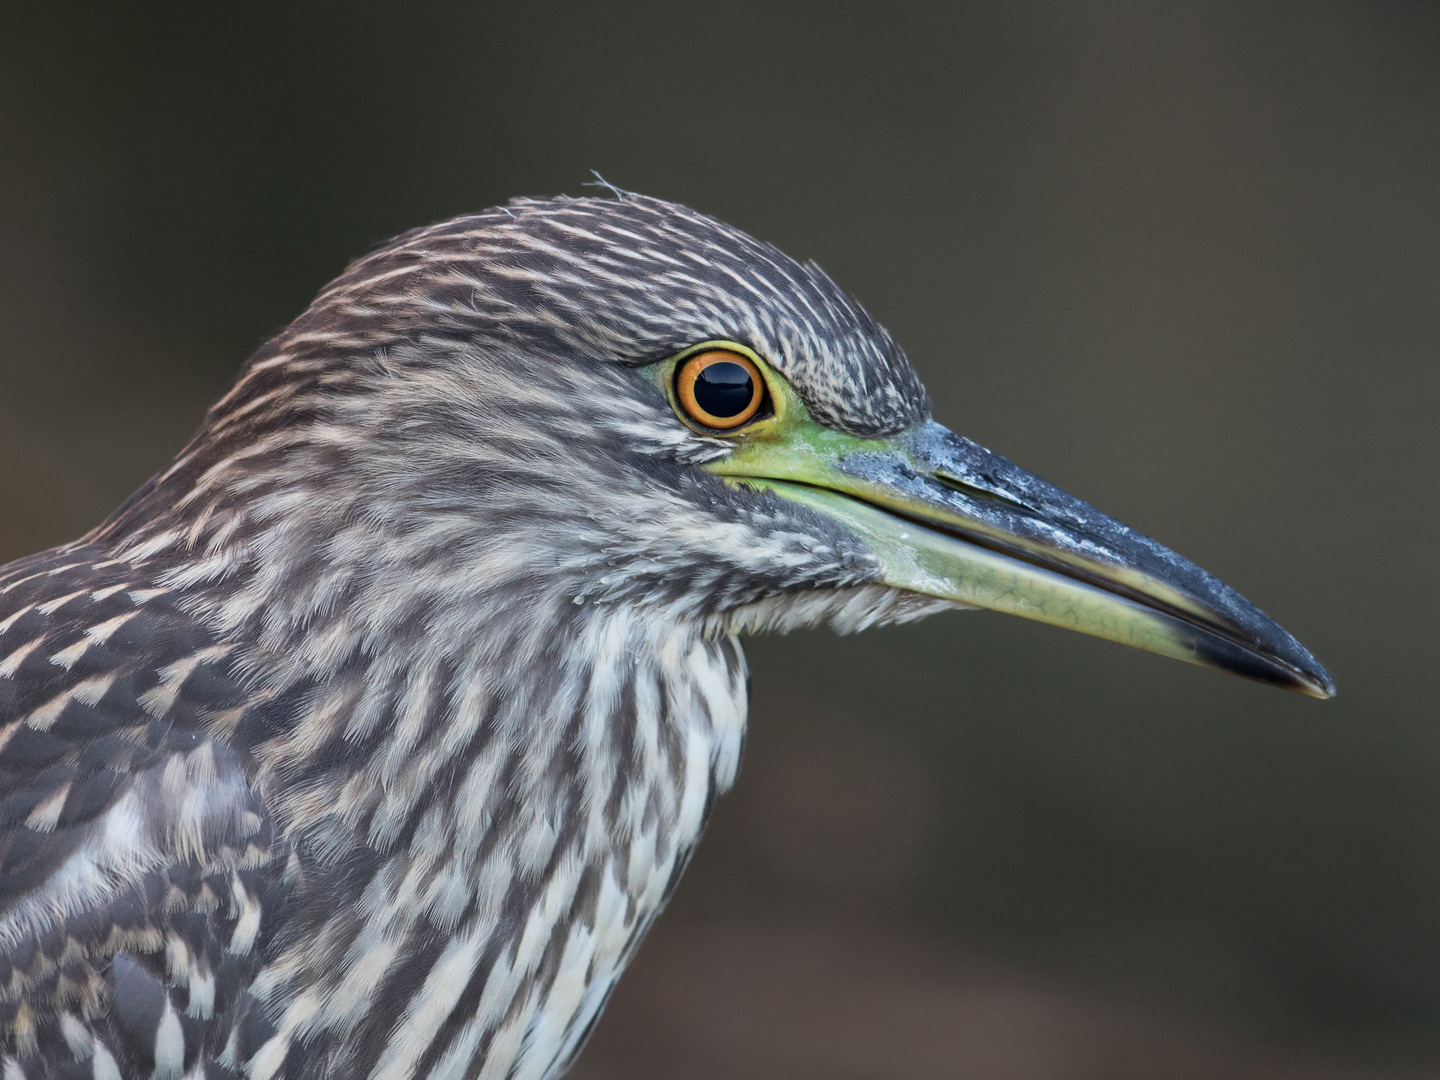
(368, 738)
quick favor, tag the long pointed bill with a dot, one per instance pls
(948, 518)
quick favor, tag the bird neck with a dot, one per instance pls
(469, 769)
(601, 715)
(526, 796)
(451, 671)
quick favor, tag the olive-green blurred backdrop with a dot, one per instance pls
(1182, 259)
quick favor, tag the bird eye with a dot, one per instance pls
(719, 389)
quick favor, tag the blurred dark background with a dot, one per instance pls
(1183, 260)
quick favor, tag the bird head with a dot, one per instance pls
(574, 407)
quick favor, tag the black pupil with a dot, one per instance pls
(724, 389)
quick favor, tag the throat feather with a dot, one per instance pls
(515, 848)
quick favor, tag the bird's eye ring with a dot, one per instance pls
(719, 389)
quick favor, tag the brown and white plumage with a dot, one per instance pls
(368, 738)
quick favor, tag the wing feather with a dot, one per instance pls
(136, 861)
